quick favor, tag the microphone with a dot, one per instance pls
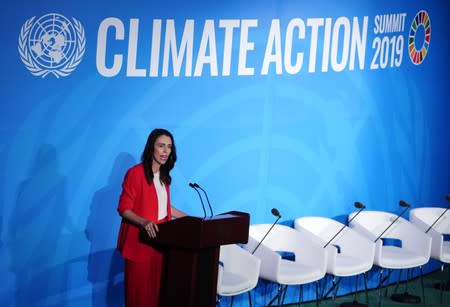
(358, 205)
(206, 195)
(402, 204)
(201, 200)
(276, 213)
(447, 197)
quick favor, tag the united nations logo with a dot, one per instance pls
(51, 44)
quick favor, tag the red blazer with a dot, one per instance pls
(140, 197)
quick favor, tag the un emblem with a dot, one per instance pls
(51, 44)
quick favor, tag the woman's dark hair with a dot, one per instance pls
(147, 157)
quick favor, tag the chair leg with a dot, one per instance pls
(379, 287)
(445, 282)
(300, 295)
(277, 297)
(387, 278)
(333, 286)
(365, 287)
(218, 297)
(317, 294)
(249, 298)
(232, 301)
(423, 288)
(408, 278)
(441, 286)
(279, 294)
(284, 294)
(398, 280)
(324, 285)
(335, 290)
(356, 288)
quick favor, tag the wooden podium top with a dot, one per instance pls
(192, 232)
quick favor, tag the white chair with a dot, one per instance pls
(308, 264)
(414, 245)
(349, 253)
(238, 272)
(424, 218)
(436, 223)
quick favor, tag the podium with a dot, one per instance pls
(191, 247)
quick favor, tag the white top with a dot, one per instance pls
(162, 196)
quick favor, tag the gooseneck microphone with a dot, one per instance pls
(447, 197)
(402, 204)
(358, 205)
(201, 200)
(206, 195)
(276, 213)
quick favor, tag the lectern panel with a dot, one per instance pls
(191, 247)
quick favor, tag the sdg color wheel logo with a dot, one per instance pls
(51, 44)
(419, 37)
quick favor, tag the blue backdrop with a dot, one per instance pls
(299, 105)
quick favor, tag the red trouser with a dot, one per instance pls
(142, 281)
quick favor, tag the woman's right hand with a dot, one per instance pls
(151, 228)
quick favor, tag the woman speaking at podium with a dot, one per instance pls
(143, 204)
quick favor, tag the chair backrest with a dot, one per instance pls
(429, 215)
(376, 222)
(283, 238)
(341, 241)
(278, 239)
(322, 227)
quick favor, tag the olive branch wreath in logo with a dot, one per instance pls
(27, 59)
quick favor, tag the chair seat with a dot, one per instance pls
(291, 270)
(233, 284)
(350, 266)
(398, 258)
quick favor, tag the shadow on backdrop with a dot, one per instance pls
(36, 227)
(105, 265)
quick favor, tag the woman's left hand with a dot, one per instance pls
(151, 229)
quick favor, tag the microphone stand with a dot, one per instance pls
(442, 285)
(276, 213)
(201, 200)
(355, 303)
(403, 204)
(448, 207)
(357, 205)
(404, 297)
(206, 195)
